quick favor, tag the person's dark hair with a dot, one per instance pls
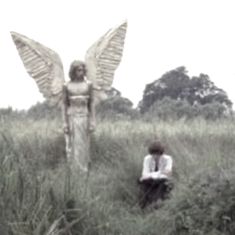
(156, 148)
(73, 67)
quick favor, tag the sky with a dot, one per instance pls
(162, 35)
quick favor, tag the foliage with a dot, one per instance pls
(43, 111)
(36, 189)
(115, 107)
(11, 114)
(169, 109)
(177, 85)
(206, 206)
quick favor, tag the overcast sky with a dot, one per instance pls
(162, 35)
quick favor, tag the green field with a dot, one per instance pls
(37, 189)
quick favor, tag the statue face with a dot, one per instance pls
(79, 72)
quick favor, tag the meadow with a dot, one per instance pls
(37, 188)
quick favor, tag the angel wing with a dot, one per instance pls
(43, 65)
(103, 58)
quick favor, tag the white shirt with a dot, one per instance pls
(165, 164)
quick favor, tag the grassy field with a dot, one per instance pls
(37, 189)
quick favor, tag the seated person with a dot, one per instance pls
(157, 169)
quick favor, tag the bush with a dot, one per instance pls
(205, 206)
(116, 108)
(168, 109)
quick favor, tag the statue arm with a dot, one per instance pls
(91, 107)
(65, 104)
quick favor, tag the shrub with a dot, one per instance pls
(168, 109)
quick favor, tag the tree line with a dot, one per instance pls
(172, 96)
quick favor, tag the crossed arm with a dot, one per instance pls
(162, 173)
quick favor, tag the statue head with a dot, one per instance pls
(77, 70)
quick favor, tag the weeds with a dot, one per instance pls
(36, 191)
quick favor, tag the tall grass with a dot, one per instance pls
(37, 189)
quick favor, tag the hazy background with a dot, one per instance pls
(162, 35)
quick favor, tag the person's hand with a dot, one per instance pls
(66, 129)
(167, 173)
(140, 180)
(91, 126)
(147, 177)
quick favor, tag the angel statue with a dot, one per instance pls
(88, 84)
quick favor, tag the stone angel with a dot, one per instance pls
(88, 84)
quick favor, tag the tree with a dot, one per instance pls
(43, 111)
(115, 106)
(177, 85)
(169, 109)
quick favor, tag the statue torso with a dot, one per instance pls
(78, 95)
(78, 88)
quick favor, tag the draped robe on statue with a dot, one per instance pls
(78, 138)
